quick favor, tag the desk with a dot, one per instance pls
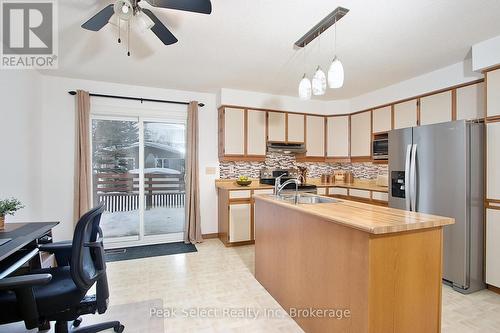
(22, 244)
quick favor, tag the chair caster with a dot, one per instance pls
(77, 322)
(119, 329)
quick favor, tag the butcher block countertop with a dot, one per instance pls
(359, 184)
(368, 218)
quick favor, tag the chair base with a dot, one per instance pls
(67, 327)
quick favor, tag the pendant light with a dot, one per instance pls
(336, 71)
(319, 82)
(305, 88)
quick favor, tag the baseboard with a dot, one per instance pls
(493, 288)
(209, 236)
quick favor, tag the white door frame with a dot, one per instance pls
(141, 239)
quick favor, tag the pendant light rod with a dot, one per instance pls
(322, 26)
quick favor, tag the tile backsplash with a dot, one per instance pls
(231, 170)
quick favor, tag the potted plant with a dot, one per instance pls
(8, 207)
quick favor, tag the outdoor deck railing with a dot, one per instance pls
(120, 191)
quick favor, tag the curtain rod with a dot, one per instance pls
(72, 92)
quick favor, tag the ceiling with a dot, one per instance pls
(248, 45)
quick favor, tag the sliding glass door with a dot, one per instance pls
(138, 173)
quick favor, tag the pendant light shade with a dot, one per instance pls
(336, 74)
(305, 88)
(319, 82)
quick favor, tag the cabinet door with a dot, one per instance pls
(361, 134)
(256, 133)
(436, 108)
(276, 126)
(492, 247)
(359, 193)
(338, 137)
(315, 141)
(234, 131)
(338, 191)
(382, 120)
(493, 161)
(240, 222)
(493, 93)
(295, 127)
(470, 102)
(405, 114)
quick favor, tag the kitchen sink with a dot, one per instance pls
(305, 199)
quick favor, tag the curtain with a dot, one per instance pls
(192, 233)
(82, 155)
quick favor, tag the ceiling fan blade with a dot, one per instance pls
(160, 30)
(197, 6)
(99, 20)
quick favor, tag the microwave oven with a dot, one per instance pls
(381, 149)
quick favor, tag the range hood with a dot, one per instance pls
(286, 148)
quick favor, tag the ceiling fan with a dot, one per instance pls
(127, 9)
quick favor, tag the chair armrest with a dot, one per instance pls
(24, 281)
(56, 247)
(23, 287)
(62, 251)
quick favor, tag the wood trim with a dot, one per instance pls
(325, 138)
(231, 244)
(286, 127)
(493, 288)
(492, 204)
(210, 236)
(357, 159)
(418, 111)
(338, 159)
(236, 158)
(371, 131)
(392, 116)
(454, 104)
(492, 119)
(245, 130)
(491, 69)
(380, 161)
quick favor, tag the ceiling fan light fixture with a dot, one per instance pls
(336, 74)
(145, 22)
(124, 9)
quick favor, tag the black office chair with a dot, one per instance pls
(59, 294)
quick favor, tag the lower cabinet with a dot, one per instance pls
(240, 222)
(492, 247)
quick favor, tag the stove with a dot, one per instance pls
(268, 176)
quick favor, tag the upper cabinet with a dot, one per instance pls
(295, 127)
(315, 136)
(233, 132)
(405, 114)
(382, 120)
(337, 137)
(436, 108)
(493, 161)
(276, 126)
(361, 135)
(256, 133)
(470, 102)
(493, 93)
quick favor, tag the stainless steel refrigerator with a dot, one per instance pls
(439, 169)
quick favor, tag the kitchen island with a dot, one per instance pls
(351, 267)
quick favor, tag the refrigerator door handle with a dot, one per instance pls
(407, 177)
(413, 178)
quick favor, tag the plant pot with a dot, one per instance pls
(2, 222)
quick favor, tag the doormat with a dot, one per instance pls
(138, 252)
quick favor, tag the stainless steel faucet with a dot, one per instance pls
(277, 183)
(290, 181)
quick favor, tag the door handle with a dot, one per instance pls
(413, 178)
(407, 177)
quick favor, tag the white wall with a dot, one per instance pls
(283, 103)
(58, 142)
(20, 157)
(439, 79)
(486, 54)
